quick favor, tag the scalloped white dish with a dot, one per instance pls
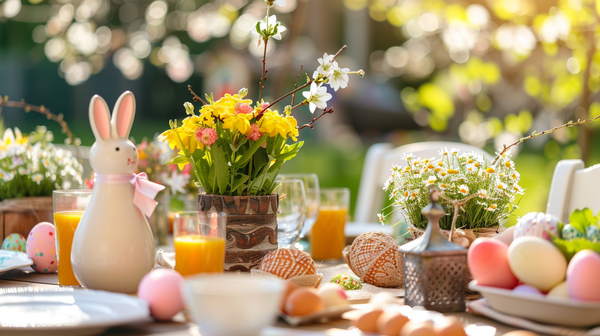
(12, 259)
(66, 312)
(550, 310)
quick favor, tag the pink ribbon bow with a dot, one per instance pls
(145, 192)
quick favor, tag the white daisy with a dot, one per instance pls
(482, 193)
(463, 189)
(431, 180)
(37, 178)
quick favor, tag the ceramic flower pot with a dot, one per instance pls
(251, 227)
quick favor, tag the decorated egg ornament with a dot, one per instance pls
(570, 233)
(14, 242)
(41, 248)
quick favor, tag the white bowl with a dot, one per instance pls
(550, 310)
(232, 304)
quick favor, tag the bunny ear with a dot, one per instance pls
(123, 114)
(99, 118)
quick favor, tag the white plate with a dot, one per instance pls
(34, 311)
(13, 259)
(550, 310)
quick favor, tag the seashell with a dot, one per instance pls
(375, 259)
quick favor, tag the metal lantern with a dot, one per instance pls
(435, 269)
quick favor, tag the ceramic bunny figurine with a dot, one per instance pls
(113, 246)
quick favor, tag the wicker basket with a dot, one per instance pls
(20, 215)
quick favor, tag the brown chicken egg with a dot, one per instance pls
(418, 329)
(303, 301)
(289, 288)
(390, 323)
(367, 322)
(451, 326)
(521, 333)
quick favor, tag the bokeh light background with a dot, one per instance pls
(484, 72)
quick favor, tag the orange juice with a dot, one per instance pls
(327, 238)
(66, 223)
(199, 254)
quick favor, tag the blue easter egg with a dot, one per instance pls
(569, 233)
(592, 233)
(14, 242)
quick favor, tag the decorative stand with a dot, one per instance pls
(435, 270)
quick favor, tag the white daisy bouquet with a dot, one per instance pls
(475, 193)
(33, 166)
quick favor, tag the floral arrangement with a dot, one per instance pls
(475, 193)
(236, 145)
(153, 155)
(33, 166)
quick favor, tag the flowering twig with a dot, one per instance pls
(297, 81)
(196, 98)
(43, 110)
(310, 124)
(505, 148)
(264, 71)
(298, 89)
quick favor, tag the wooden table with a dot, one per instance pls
(25, 277)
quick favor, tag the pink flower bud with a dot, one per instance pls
(209, 136)
(242, 108)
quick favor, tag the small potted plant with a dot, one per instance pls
(477, 195)
(30, 169)
(237, 146)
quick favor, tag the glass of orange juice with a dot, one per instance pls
(68, 208)
(199, 242)
(327, 237)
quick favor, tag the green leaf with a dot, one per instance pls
(581, 219)
(238, 182)
(570, 247)
(250, 152)
(221, 168)
(178, 160)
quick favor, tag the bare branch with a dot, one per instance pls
(297, 81)
(196, 98)
(310, 124)
(264, 73)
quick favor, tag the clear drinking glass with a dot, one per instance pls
(313, 197)
(291, 213)
(199, 238)
(327, 237)
(68, 207)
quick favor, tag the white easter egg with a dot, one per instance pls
(559, 291)
(537, 224)
(537, 262)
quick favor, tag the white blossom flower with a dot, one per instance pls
(317, 97)
(482, 193)
(454, 151)
(443, 186)
(509, 164)
(501, 186)
(339, 78)
(407, 156)
(177, 182)
(267, 24)
(381, 217)
(431, 180)
(270, 3)
(327, 66)
(37, 178)
(492, 208)
(443, 151)
(463, 189)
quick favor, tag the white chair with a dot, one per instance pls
(573, 187)
(377, 168)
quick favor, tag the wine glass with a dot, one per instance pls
(291, 213)
(313, 197)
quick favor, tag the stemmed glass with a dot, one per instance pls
(292, 212)
(313, 197)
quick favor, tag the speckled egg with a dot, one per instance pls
(537, 224)
(592, 233)
(41, 248)
(570, 233)
(14, 242)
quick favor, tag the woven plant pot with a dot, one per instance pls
(463, 238)
(20, 215)
(251, 227)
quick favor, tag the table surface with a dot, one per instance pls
(25, 277)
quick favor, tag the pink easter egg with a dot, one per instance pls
(41, 248)
(583, 273)
(161, 288)
(488, 263)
